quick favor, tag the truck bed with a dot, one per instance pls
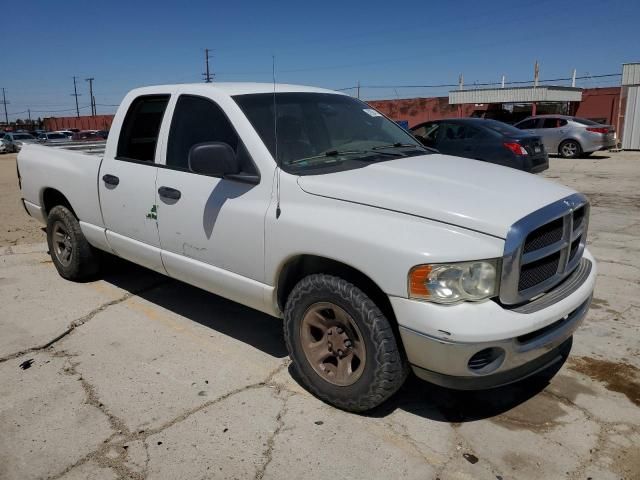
(89, 148)
(68, 168)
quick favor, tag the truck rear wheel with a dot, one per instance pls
(72, 255)
(342, 346)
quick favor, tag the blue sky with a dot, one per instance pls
(330, 44)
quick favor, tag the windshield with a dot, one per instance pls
(321, 132)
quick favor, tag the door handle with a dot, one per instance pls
(168, 192)
(111, 180)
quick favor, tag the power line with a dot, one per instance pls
(480, 84)
(208, 76)
(76, 94)
(92, 98)
(4, 101)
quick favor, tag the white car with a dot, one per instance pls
(13, 142)
(381, 256)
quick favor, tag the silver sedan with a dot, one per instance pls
(570, 137)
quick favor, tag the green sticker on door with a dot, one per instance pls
(153, 213)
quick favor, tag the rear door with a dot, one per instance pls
(127, 184)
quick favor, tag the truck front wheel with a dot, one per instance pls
(72, 255)
(342, 346)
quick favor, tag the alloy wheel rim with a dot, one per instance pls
(62, 246)
(332, 344)
(569, 149)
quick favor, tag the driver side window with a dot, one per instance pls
(199, 120)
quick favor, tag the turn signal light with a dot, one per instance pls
(515, 148)
(418, 278)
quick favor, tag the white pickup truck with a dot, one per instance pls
(380, 255)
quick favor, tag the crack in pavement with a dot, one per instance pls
(267, 454)
(78, 322)
(605, 429)
(122, 436)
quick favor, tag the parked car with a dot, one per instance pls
(88, 135)
(311, 206)
(53, 137)
(13, 142)
(570, 137)
(4, 145)
(483, 139)
(66, 133)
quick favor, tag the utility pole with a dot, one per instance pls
(29, 111)
(358, 89)
(4, 101)
(573, 79)
(93, 100)
(503, 78)
(76, 94)
(536, 74)
(208, 76)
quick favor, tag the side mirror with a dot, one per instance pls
(213, 158)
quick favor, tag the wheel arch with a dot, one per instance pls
(302, 265)
(52, 197)
(569, 139)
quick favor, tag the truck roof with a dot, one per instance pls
(231, 88)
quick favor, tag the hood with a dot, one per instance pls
(468, 193)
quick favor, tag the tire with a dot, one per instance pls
(72, 255)
(570, 149)
(370, 380)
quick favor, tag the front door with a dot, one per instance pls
(552, 131)
(211, 229)
(127, 185)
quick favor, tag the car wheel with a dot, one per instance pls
(72, 255)
(342, 346)
(570, 149)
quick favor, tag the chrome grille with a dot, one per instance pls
(537, 272)
(544, 236)
(543, 248)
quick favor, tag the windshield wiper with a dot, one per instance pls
(338, 153)
(398, 145)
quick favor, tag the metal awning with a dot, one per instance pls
(544, 93)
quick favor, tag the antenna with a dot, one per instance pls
(275, 135)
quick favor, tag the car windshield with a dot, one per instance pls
(501, 127)
(584, 121)
(321, 132)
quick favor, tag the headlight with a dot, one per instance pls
(454, 282)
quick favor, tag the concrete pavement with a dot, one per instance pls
(137, 376)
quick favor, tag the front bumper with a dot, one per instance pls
(484, 345)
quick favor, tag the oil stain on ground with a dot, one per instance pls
(538, 414)
(617, 376)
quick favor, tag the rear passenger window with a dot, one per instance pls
(139, 134)
(198, 120)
